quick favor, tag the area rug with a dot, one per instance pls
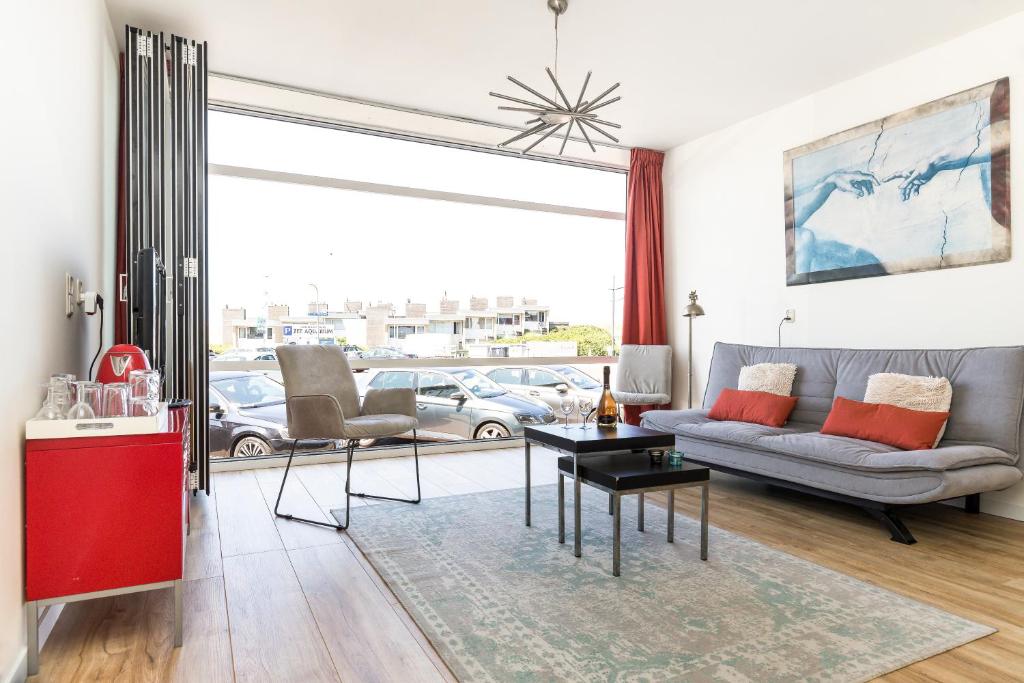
(504, 602)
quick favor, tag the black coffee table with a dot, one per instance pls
(621, 474)
(577, 441)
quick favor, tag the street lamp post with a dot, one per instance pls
(316, 310)
(614, 289)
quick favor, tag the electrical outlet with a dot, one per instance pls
(70, 295)
(791, 315)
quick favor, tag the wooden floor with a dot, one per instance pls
(271, 600)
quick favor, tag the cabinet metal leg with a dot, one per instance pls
(32, 619)
(671, 516)
(527, 483)
(640, 512)
(178, 612)
(616, 532)
(704, 521)
(561, 508)
(576, 509)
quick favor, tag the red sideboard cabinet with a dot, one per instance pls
(104, 515)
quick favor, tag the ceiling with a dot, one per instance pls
(687, 68)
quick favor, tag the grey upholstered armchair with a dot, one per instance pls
(322, 403)
(643, 376)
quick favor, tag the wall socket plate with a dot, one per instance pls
(791, 315)
(70, 295)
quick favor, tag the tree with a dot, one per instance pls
(591, 340)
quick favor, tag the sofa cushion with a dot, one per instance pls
(759, 407)
(856, 454)
(800, 441)
(910, 430)
(697, 423)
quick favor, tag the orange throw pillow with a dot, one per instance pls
(758, 407)
(911, 430)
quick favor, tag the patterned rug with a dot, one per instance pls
(503, 602)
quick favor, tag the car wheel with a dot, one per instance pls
(492, 430)
(250, 446)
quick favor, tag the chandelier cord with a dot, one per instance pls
(556, 46)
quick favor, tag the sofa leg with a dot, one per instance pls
(899, 532)
(972, 503)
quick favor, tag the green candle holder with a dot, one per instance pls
(675, 458)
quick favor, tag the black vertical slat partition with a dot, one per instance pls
(165, 161)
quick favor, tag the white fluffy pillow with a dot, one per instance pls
(928, 394)
(774, 378)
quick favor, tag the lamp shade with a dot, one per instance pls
(693, 309)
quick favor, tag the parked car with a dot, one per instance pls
(240, 355)
(247, 416)
(385, 352)
(548, 383)
(462, 403)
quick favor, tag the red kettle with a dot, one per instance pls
(118, 361)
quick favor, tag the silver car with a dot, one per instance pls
(548, 383)
(462, 403)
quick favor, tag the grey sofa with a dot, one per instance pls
(979, 452)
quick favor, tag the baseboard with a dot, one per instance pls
(1002, 508)
(18, 671)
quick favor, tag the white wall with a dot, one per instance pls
(725, 222)
(58, 123)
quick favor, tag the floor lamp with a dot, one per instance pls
(693, 310)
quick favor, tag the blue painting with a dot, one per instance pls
(924, 189)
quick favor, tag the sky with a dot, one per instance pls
(270, 241)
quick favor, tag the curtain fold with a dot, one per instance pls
(643, 308)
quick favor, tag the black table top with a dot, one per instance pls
(594, 439)
(631, 471)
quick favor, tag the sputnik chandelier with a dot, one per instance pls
(552, 115)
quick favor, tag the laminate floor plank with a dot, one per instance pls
(274, 637)
(295, 500)
(246, 524)
(367, 640)
(202, 547)
(130, 638)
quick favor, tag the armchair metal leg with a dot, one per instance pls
(416, 460)
(287, 468)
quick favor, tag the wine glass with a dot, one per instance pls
(87, 401)
(51, 409)
(568, 406)
(586, 408)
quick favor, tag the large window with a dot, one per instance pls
(395, 249)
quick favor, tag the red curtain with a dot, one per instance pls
(121, 331)
(643, 308)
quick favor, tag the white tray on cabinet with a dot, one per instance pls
(100, 426)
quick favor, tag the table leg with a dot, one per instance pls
(640, 512)
(32, 619)
(671, 515)
(616, 532)
(527, 483)
(704, 521)
(561, 508)
(609, 503)
(178, 612)
(576, 512)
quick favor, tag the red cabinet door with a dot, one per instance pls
(102, 513)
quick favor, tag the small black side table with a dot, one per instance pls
(623, 474)
(576, 441)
